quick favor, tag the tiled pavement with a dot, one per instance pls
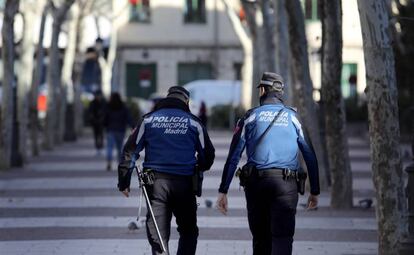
(64, 202)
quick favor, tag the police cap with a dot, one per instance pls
(273, 80)
(180, 91)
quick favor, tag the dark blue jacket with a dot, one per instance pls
(279, 148)
(171, 137)
(118, 119)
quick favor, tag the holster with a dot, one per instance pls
(197, 179)
(245, 173)
(301, 180)
(148, 176)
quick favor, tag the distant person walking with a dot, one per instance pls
(202, 114)
(117, 118)
(96, 113)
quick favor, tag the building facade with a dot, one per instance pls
(163, 43)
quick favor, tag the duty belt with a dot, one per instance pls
(284, 172)
(162, 175)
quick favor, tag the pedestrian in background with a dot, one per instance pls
(202, 114)
(117, 119)
(175, 142)
(273, 136)
(96, 114)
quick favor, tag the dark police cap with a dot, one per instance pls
(273, 80)
(179, 90)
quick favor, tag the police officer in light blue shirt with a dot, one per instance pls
(175, 141)
(272, 157)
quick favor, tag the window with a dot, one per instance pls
(237, 67)
(195, 11)
(311, 9)
(194, 71)
(140, 10)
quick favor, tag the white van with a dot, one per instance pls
(212, 93)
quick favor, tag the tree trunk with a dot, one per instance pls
(268, 36)
(384, 127)
(37, 79)
(77, 75)
(107, 65)
(67, 75)
(302, 82)
(282, 47)
(26, 75)
(246, 42)
(254, 20)
(8, 103)
(56, 96)
(334, 108)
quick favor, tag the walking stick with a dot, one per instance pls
(140, 205)
(141, 177)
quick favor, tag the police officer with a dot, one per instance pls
(171, 137)
(271, 189)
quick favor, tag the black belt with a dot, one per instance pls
(283, 172)
(161, 175)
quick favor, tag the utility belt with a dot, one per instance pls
(149, 176)
(248, 172)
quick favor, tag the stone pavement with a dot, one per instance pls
(64, 202)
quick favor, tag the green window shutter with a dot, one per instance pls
(188, 72)
(141, 80)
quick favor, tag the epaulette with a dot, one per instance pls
(147, 114)
(247, 114)
(292, 108)
(195, 117)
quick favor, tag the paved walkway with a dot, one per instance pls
(64, 202)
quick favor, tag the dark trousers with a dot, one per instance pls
(271, 207)
(98, 135)
(173, 195)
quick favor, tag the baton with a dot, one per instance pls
(144, 191)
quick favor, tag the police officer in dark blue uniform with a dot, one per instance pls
(270, 184)
(171, 137)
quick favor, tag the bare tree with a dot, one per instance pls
(302, 83)
(56, 97)
(334, 107)
(282, 45)
(67, 73)
(28, 10)
(246, 42)
(37, 79)
(384, 127)
(108, 63)
(268, 35)
(8, 103)
(254, 20)
(85, 7)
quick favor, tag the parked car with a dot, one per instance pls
(212, 93)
